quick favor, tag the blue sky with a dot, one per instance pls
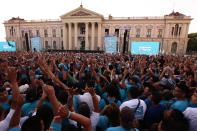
(52, 9)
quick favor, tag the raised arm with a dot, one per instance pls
(49, 73)
(42, 98)
(12, 76)
(15, 120)
(123, 79)
(162, 74)
(53, 100)
(95, 99)
(84, 121)
(71, 93)
(82, 68)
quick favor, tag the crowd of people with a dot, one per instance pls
(42, 91)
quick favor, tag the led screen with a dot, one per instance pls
(110, 44)
(35, 44)
(7, 46)
(147, 48)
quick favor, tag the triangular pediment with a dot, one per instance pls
(81, 12)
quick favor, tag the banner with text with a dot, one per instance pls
(35, 44)
(110, 44)
(7, 46)
(146, 48)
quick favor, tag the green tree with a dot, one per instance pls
(192, 43)
(83, 45)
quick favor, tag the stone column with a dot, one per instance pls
(99, 36)
(93, 30)
(76, 35)
(65, 36)
(70, 36)
(86, 37)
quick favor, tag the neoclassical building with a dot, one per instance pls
(85, 29)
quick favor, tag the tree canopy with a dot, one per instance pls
(192, 43)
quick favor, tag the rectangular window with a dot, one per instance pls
(54, 32)
(45, 33)
(46, 45)
(180, 31)
(22, 33)
(38, 33)
(12, 31)
(54, 45)
(106, 32)
(61, 32)
(30, 33)
(172, 31)
(159, 33)
(82, 30)
(148, 35)
(137, 33)
(117, 32)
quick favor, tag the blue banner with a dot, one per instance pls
(35, 44)
(110, 44)
(7, 46)
(146, 48)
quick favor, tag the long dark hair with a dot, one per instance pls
(113, 113)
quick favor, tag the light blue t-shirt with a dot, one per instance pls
(165, 103)
(180, 105)
(75, 103)
(15, 129)
(98, 89)
(65, 67)
(103, 123)
(119, 128)
(191, 104)
(24, 76)
(148, 103)
(122, 94)
(28, 108)
(104, 95)
(6, 106)
(128, 86)
(38, 76)
(56, 126)
(38, 70)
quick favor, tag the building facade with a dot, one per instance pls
(82, 29)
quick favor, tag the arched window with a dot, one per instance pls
(172, 31)
(180, 31)
(176, 29)
(174, 47)
(46, 45)
(54, 45)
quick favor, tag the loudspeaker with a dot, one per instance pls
(27, 41)
(125, 41)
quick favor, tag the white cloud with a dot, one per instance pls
(52, 9)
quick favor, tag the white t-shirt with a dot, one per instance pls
(94, 120)
(139, 114)
(191, 114)
(4, 124)
(23, 88)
